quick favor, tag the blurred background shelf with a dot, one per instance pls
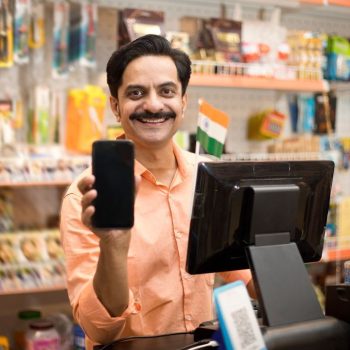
(229, 81)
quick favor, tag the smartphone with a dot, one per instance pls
(113, 168)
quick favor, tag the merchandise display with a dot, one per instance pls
(30, 260)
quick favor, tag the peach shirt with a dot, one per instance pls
(164, 298)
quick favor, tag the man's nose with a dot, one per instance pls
(153, 103)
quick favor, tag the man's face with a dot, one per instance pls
(150, 105)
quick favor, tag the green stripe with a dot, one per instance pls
(210, 145)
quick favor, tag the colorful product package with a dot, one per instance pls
(37, 26)
(338, 58)
(267, 124)
(88, 34)
(6, 36)
(60, 39)
(325, 112)
(75, 22)
(225, 37)
(21, 32)
(84, 120)
(134, 23)
(306, 118)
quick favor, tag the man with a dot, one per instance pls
(133, 282)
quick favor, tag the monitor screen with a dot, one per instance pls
(240, 204)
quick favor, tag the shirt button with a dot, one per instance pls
(178, 234)
(188, 317)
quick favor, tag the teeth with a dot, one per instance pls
(159, 120)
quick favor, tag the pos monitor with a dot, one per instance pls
(268, 216)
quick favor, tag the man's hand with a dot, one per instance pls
(111, 278)
(85, 186)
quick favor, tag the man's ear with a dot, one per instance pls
(115, 107)
(184, 105)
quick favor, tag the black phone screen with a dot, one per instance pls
(113, 168)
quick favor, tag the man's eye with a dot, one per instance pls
(135, 93)
(168, 92)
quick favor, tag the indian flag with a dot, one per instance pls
(212, 128)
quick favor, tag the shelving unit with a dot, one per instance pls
(34, 290)
(245, 82)
(31, 184)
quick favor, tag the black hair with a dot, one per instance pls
(147, 45)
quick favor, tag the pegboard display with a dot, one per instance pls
(318, 23)
(238, 105)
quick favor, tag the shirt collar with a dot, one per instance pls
(182, 164)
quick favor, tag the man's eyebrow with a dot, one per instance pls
(135, 86)
(168, 83)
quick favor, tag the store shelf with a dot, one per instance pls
(35, 183)
(244, 82)
(344, 3)
(33, 290)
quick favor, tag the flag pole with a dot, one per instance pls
(196, 160)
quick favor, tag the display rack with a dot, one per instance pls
(240, 82)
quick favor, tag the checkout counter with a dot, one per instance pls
(328, 333)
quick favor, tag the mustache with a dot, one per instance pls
(141, 115)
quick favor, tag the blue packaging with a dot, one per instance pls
(79, 338)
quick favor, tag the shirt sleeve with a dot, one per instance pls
(81, 247)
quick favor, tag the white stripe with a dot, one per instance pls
(213, 129)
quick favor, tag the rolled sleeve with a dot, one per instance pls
(95, 320)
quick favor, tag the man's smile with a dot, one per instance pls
(152, 118)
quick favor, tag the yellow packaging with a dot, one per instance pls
(266, 125)
(4, 343)
(343, 218)
(85, 114)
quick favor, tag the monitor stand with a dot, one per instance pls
(283, 286)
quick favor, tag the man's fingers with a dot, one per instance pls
(86, 215)
(137, 183)
(87, 198)
(86, 183)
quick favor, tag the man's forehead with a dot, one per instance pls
(155, 70)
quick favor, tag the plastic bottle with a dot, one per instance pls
(42, 335)
(25, 317)
(64, 327)
(79, 338)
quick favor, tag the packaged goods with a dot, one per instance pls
(42, 335)
(25, 317)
